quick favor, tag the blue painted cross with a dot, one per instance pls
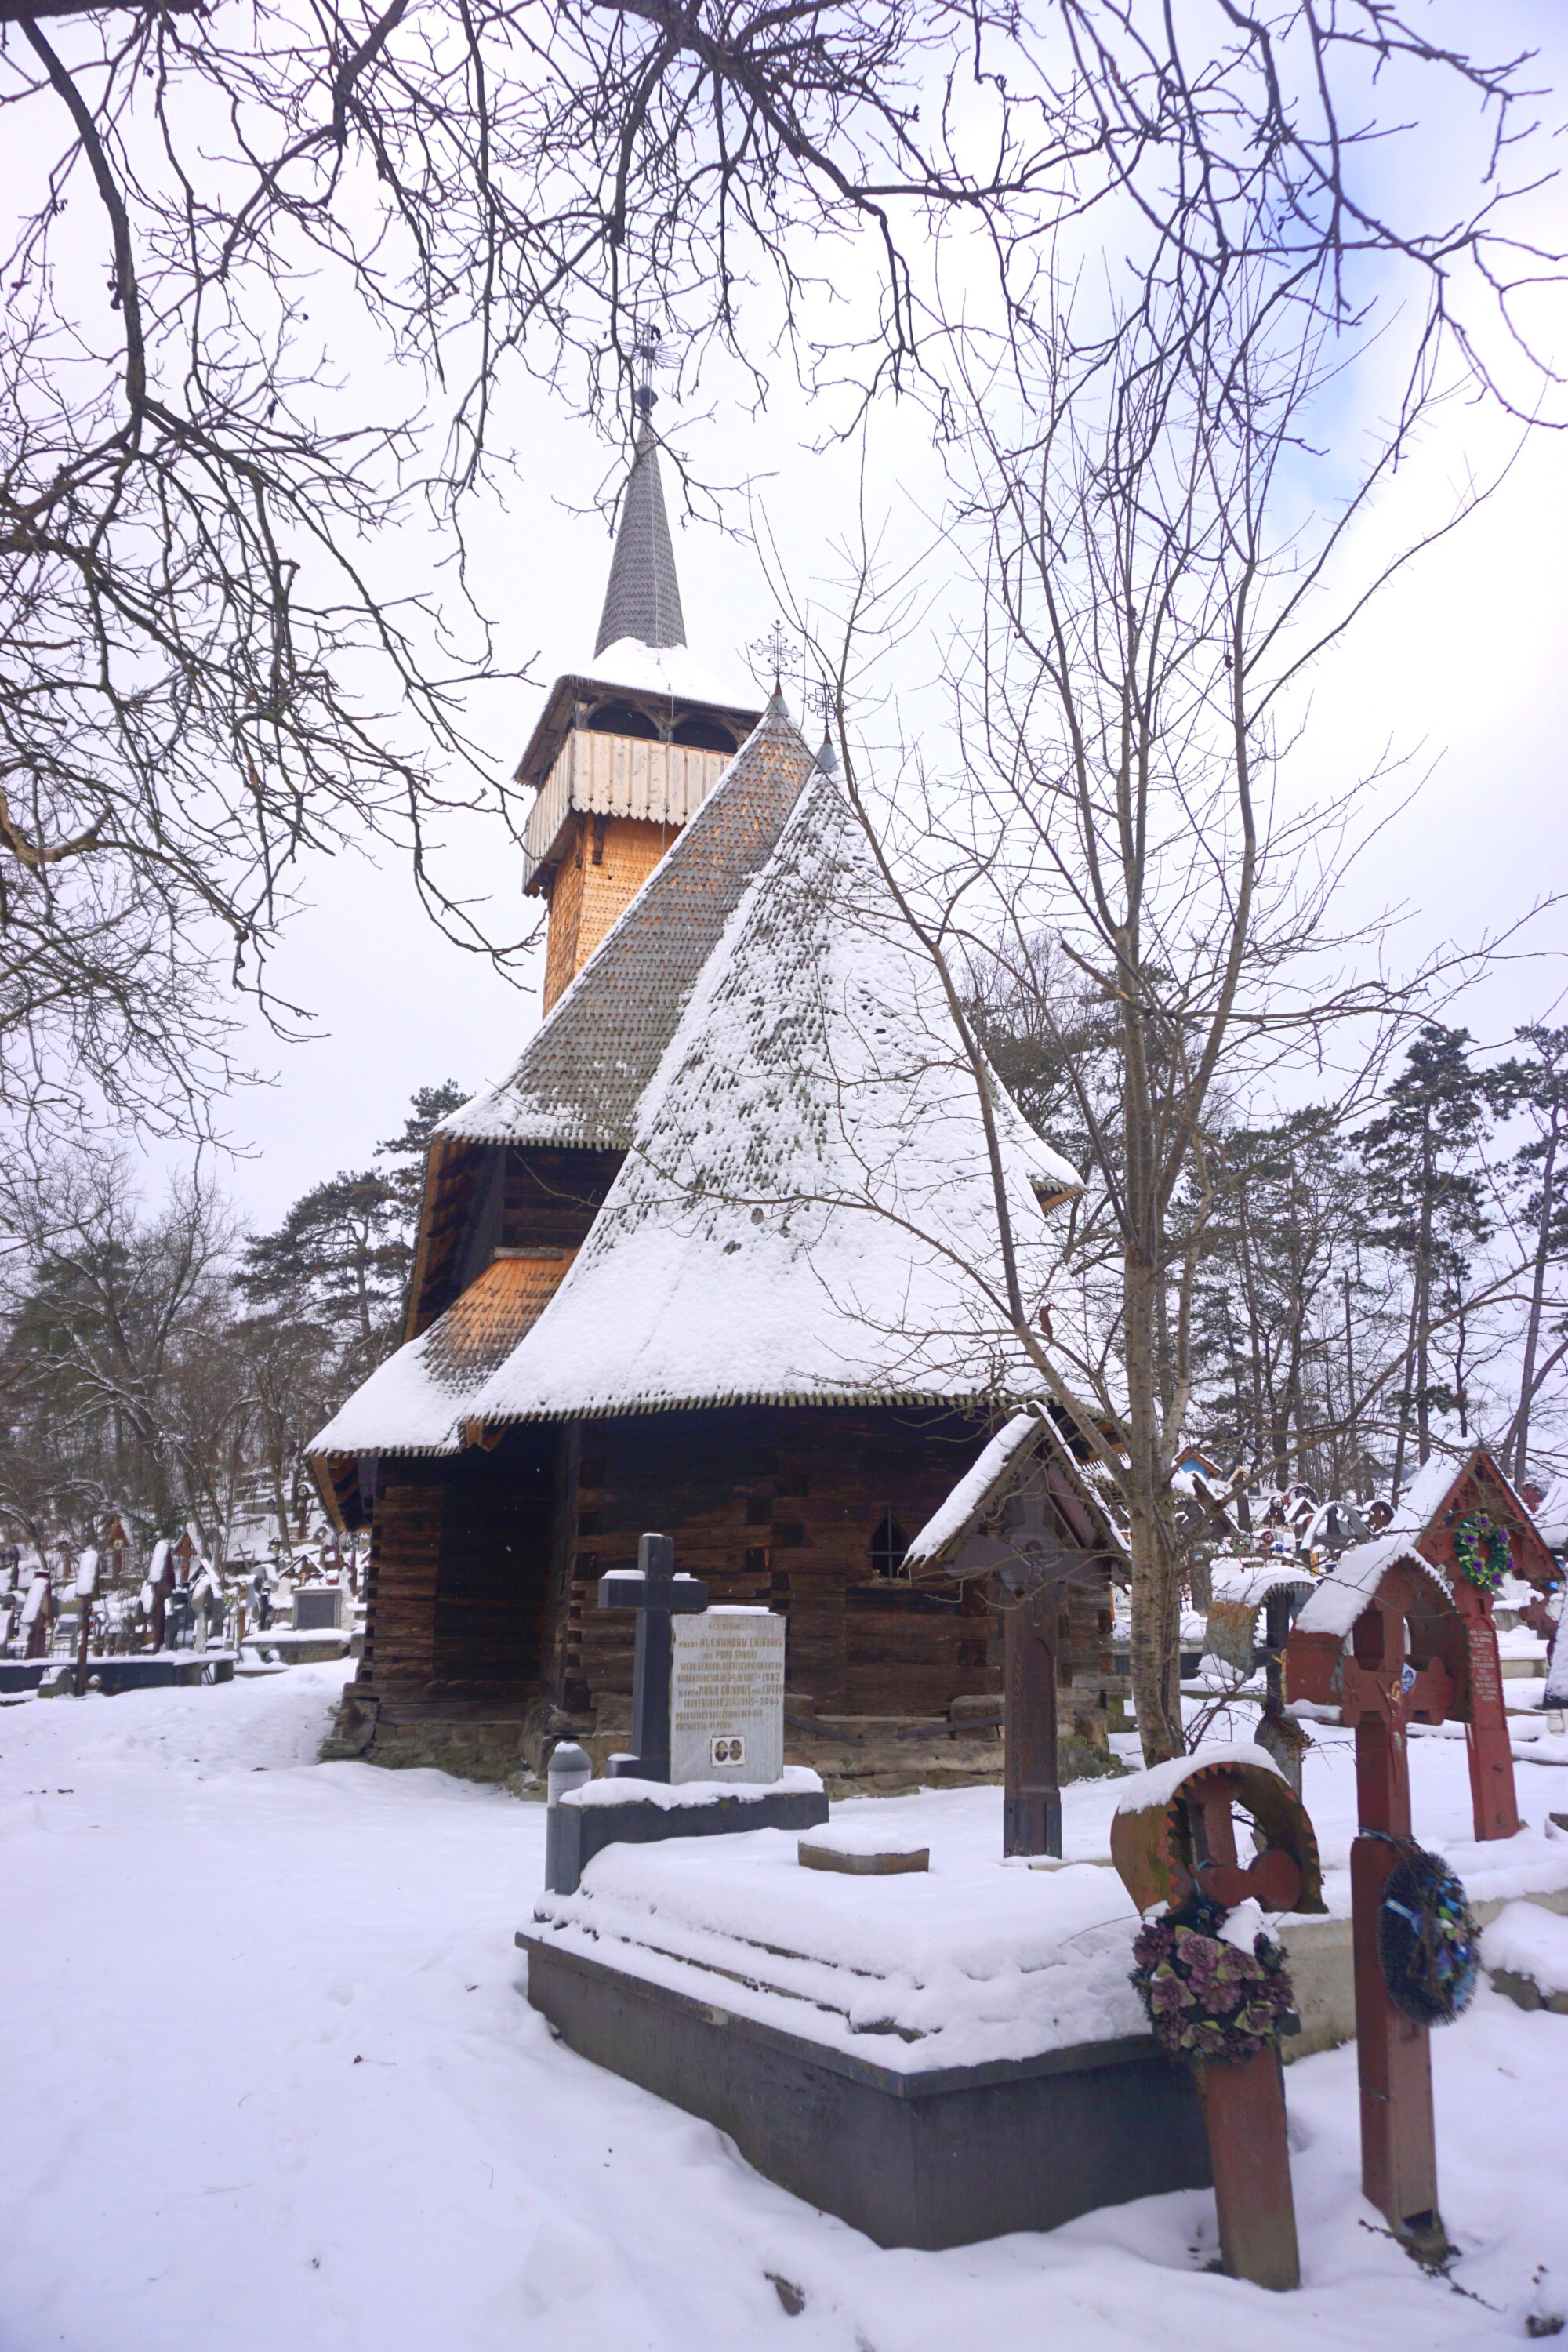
(657, 1593)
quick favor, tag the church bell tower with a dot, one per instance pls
(627, 749)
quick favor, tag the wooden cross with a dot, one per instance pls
(1380, 1692)
(1244, 2106)
(1031, 1792)
(657, 1593)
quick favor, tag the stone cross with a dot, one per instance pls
(657, 1593)
(1381, 1692)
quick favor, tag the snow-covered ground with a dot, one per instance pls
(270, 2086)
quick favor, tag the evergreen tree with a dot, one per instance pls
(343, 1254)
(1425, 1207)
(1538, 1173)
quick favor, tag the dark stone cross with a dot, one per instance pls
(657, 1593)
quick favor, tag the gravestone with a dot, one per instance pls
(726, 1696)
(319, 1609)
(707, 1708)
(657, 1594)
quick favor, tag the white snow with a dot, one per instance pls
(1556, 1693)
(1160, 1783)
(1551, 1519)
(959, 1966)
(1425, 1497)
(664, 670)
(1529, 1941)
(1343, 1594)
(796, 1779)
(191, 2157)
(863, 1837)
(806, 1210)
(953, 1517)
(1249, 1586)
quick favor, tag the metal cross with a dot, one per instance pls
(772, 651)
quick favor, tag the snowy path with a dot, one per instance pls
(270, 2088)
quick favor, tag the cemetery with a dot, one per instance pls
(742, 1704)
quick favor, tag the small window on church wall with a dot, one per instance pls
(621, 718)
(888, 1545)
(702, 735)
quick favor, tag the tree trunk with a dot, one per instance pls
(1537, 1297)
(1155, 1602)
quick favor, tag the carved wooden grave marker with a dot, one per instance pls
(1445, 1513)
(1183, 1845)
(1407, 1661)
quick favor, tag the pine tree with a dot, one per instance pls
(1427, 1208)
(1539, 1176)
(343, 1254)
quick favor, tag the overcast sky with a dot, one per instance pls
(1462, 666)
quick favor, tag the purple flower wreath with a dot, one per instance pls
(1481, 1551)
(1210, 2000)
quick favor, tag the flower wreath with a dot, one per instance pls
(1481, 1551)
(1205, 1997)
(1428, 1943)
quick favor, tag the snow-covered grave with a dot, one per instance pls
(272, 2078)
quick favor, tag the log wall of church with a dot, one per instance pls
(460, 1573)
(781, 1508)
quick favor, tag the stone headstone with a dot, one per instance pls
(319, 1609)
(726, 1696)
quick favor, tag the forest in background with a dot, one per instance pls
(164, 1365)
(1361, 1299)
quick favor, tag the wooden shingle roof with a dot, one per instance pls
(805, 1212)
(583, 1072)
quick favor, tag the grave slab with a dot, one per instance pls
(629, 1811)
(936, 2056)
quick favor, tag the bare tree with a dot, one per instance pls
(208, 675)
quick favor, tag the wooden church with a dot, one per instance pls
(720, 1257)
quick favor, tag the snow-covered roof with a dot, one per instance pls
(416, 1402)
(806, 1210)
(1250, 1587)
(584, 1071)
(664, 669)
(1344, 1592)
(1425, 1497)
(973, 1492)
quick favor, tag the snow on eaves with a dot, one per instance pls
(806, 1210)
(968, 1500)
(1344, 1592)
(663, 669)
(401, 1409)
(1424, 1497)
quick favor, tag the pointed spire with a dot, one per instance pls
(828, 758)
(643, 599)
